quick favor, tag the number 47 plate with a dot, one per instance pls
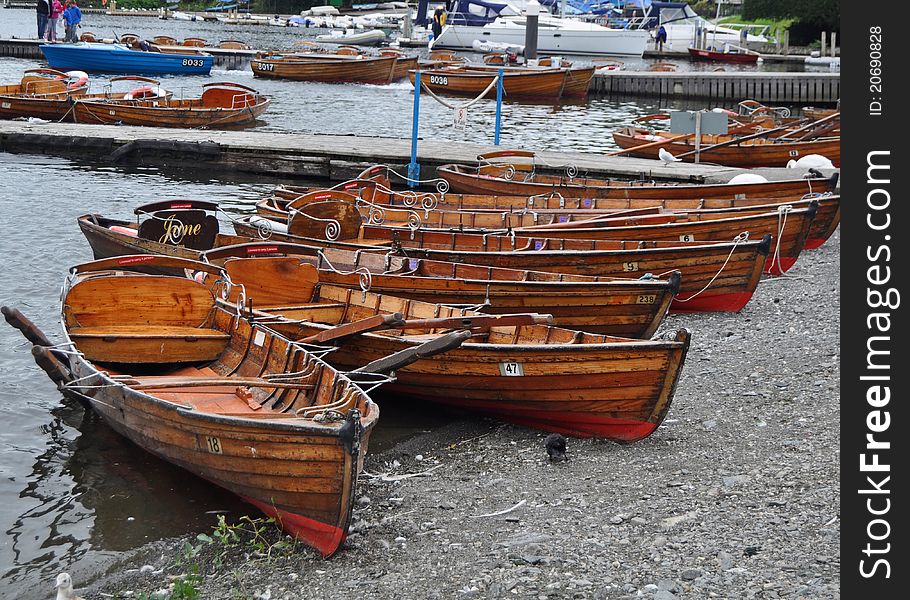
(511, 369)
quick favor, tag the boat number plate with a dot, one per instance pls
(646, 299)
(213, 444)
(113, 113)
(688, 237)
(193, 62)
(5, 105)
(259, 338)
(794, 152)
(628, 267)
(265, 66)
(439, 80)
(511, 369)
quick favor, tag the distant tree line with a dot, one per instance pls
(813, 16)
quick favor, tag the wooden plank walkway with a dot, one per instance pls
(335, 157)
(795, 88)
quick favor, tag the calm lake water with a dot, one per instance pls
(72, 492)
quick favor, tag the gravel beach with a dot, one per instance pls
(736, 495)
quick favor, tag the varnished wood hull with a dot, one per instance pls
(375, 70)
(542, 85)
(748, 154)
(624, 307)
(162, 115)
(301, 471)
(789, 228)
(717, 277)
(596, 386)
(468, 181)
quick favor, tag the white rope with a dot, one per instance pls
(743, 237)
(452, 106)
(782, 212)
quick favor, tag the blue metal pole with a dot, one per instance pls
(498, 108)
(414, 167)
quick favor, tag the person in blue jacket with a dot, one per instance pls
(72, 17)
(661, 38)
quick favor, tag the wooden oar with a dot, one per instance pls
(395, 361)
(31, 331)
(373, 323)
(737, 140)
(811, 125)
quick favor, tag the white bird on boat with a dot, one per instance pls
(65, 588)
(665, 156)
(811, 161)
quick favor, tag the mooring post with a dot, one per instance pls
(532, 14)
(414, 166)
(824, 42)
(698, 137)
(498, 106)
(833, 43)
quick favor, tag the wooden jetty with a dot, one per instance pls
(336, 157)
(794, 88)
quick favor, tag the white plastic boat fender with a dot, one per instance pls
(80, 78)
(257, 221)
(811, 161)
(748, 178)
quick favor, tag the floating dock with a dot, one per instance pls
(333, 157)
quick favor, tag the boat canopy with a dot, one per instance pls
(480, 12)
(663, 13)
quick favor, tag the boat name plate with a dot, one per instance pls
(630, 266)
(511, 369)
(687, 237)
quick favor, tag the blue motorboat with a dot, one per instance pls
(144, 58)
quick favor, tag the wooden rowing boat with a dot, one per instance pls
(612, 305)
(403, 62)
(521, 179)
(379, 206)
(221, 104)
(788, 225)
(326, 68)
(184, 378)
(539, 84)
(624, 307)
(758, 152)
(716, 276)
(727, 57)
(51, 94)
(522, 371)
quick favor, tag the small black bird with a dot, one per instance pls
(556, 447)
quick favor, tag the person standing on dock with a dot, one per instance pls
(438, 20)
(52, 18)
(72, 17)
(661, 38)
(43, 8)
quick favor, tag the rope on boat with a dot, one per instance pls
(743, 237)
(782, 212)
(463, 106)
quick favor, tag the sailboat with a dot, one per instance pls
(505, 22)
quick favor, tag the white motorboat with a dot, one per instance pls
(555, 35)
(682, 25)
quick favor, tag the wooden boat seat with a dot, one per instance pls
(155, 344)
